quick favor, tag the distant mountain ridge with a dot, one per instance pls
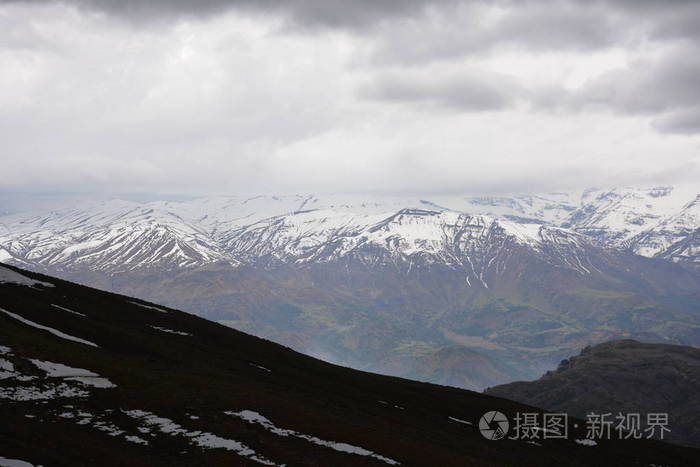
(408, 286)
(658, 222)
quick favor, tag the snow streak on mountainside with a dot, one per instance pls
(655, 222)
(676, 237)
(119, 236)
(411, 236)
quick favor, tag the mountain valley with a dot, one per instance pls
(93, 378)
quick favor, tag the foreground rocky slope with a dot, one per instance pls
(92, 378)
(622, 376)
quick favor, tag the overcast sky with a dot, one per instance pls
(417, 96)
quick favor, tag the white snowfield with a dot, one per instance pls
(8, 371)
(136, 439)
(118, 236)
(58, 370)
(53, 331)
(201, 439)
(6, 365)
(100, 422)
(40, 388)
(255, 418)
(108, 428)
(45, 392)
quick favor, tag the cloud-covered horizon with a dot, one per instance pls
(232, 96)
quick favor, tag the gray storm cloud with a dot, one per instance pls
(667, 87)
(463, 92)
(314, 13)
(373, 95)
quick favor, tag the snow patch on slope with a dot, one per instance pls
(255, 418)
(58, 370)
(170, 331)
(48, 391)
(149, 307)
(53, 331)
(68, 310)
(201, 439)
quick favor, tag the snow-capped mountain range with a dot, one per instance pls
(426, 287)
(119, 235)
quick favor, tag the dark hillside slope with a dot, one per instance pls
(93, 378)
(622, 376)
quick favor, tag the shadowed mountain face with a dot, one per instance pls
(622, 376)
(92, 378)
(405, 287)
(420, 322)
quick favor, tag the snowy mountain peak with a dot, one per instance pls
(451, 230)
